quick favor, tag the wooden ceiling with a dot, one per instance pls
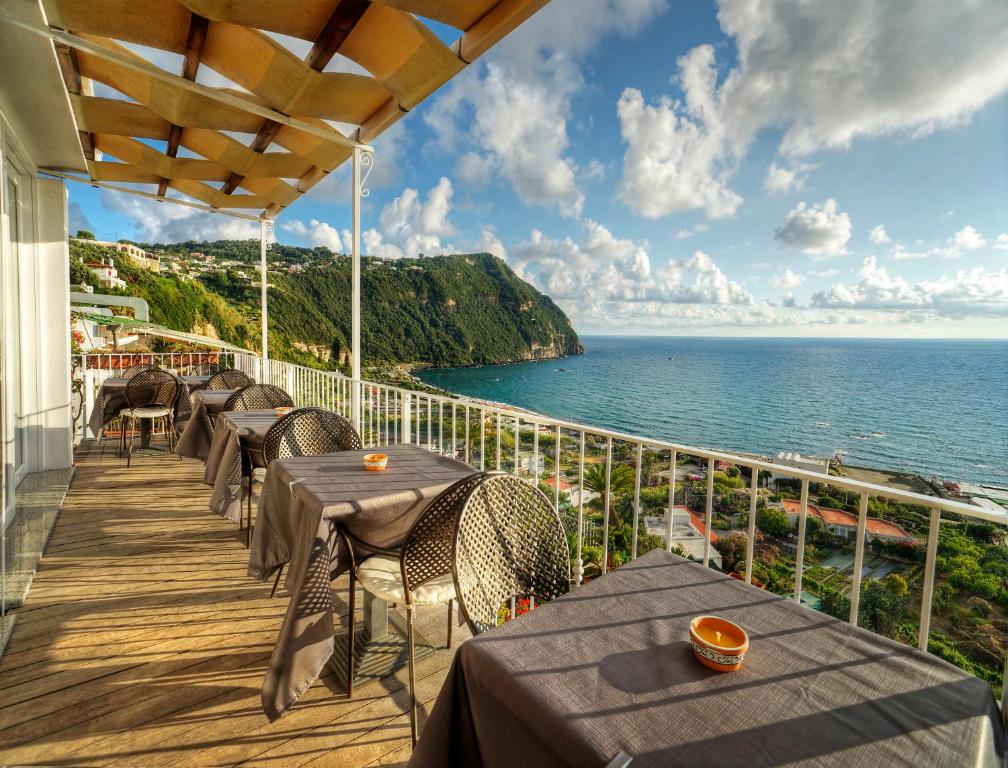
(389, 40)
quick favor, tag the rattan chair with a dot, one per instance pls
(304, 432)
(417, 574)
(133, 370)
(229, 378)
(509, 542)
(150, 394)
(258, 397)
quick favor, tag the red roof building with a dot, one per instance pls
(842, 523)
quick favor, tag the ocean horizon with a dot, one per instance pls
(926, 406)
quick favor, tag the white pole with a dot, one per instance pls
(265, 227)
(355, 299)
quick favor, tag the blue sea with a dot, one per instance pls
(923, 406)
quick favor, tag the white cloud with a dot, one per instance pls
(407, 226)
(513, 108)
(77, 219)
(475, 170)
(975, 292)
(601, 278)
(968, 239)
(786, 179)
(170, 223)
(818, 230)
(684, 234)
(675, 162)
(879, 236)
(826, 74)
(1001, 242)
(786, 280)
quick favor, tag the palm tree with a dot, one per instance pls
(621, 481)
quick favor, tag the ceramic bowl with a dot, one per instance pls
(375, 462)
(718, 643)
(282, 410)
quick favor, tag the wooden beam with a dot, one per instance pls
(336, 30)
(193, 51)
(70, 69)
(334, 33)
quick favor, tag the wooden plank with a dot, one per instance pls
(190, 65)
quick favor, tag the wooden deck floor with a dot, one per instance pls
(143, 643)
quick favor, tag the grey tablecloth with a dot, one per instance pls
(609, 668)
(111, 400)
(195, 440)
(236, 430)
(303, 500)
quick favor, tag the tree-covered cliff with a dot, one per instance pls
(440, 311)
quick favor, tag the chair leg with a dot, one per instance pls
(248, 527)
(129, 456)
(412, 680)
(276, 582)
(451, 607)
(352, 638)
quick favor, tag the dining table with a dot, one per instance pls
(304, 502)
(197, 434)
(111, 400)
(608, 671)
(237, 436)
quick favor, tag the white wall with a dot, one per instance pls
(54, 311)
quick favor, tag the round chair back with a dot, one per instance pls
(509, 542)
(152, 387)
(229, 379)
(309, 432)
(258, 397)
(133, 370)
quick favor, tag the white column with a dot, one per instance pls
(265, 227)
(355, 298)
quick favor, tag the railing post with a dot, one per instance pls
(924, 630)
(579, 562)
(636, 501)
(404, 436)
(670, 515)
(751, 546)
(709, 512)
(292, 387)
(89, 393)
(606, 501)
(862, 524)
(800, 552)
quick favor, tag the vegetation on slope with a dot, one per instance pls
(440, 311)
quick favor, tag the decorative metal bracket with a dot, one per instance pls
(367, 162)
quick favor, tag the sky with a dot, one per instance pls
(678, 167)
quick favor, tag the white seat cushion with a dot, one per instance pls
(259, 474)
(147, 412)
(381, 576)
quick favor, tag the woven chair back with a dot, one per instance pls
(258, 397)
(309, 432)
(152, 387)
(229, 379)
(202, 369)
(133, 370)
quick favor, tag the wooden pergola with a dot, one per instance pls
(305, 120)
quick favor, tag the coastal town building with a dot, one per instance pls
(570, 491)
(137, 255)
(688, 532)
(106, 272)
(844, 524)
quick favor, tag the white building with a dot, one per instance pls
(688, 532)
(808, 463)
(107, 274)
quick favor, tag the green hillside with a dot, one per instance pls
(440, 311)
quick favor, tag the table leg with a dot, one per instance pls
(375, 617)
(146, 427)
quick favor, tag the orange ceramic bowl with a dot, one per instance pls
(718, 643)
(375, 462)
(282, 410)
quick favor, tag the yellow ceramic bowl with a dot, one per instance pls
(718, 644)
(375, 462)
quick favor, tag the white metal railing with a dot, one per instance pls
(461, 426)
